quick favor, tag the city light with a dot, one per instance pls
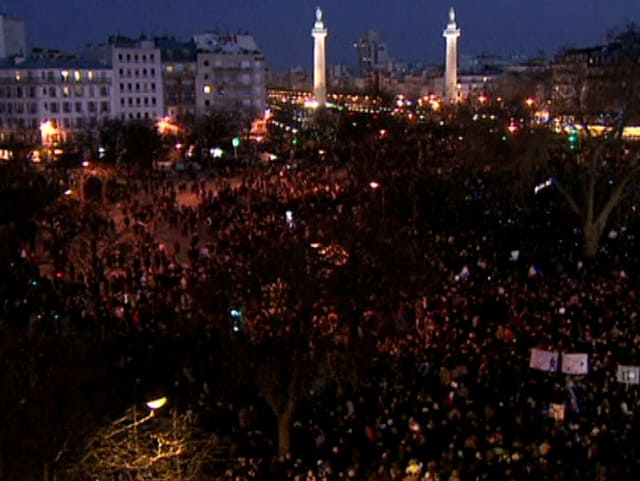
(157, 403)
(544, 185)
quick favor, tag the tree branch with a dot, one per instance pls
(569, 199)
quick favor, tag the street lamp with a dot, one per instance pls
(375, 186)
(156, 403)
(236, 143)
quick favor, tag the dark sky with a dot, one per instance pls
(412, 28)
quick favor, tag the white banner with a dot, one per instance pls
(544, 360)
(575, 363)
(628, 374)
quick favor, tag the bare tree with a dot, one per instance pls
(149, 447)
(604, 170)
(604, 165)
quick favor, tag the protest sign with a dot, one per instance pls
(628, 374)
(575, 363)
(543, 360)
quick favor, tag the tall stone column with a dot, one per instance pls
(451, 34)
(319, 34)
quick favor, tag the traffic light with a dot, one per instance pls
(573, 140)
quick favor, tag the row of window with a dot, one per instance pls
(55, 107)
(34, 122)
(18, 108)
(151, 58)
(231, 90)
(74, 91)
(138, 101)
(146, 87)
(67, 107)
(136, 73)
(139, 115)
(64, 75)
(233, 103)
(175, 98)
(243, 65)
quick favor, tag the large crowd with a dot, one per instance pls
(452, 307)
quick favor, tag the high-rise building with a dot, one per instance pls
(373, 54)
(230, 74)
(12, 37)
(451, 34)
(319, 34)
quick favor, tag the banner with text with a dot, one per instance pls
(628, 374)
(575, 363)
(543, 360)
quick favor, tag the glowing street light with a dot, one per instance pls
(156, 403)
(236, 143)
(529, 102)
(375, 186)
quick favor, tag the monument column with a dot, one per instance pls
(319, 34)
(451, 34)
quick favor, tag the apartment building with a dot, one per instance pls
(230, 74)
(137, 78)
(68, 96)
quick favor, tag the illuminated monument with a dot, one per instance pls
(451, 33)
(319, 34)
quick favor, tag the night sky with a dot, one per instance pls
(412, 28)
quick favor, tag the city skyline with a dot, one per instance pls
(412, 29)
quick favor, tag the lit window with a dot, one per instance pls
(76, 75)
(207, 89)
(65, 74)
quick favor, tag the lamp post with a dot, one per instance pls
(375, 186)
(236, 143)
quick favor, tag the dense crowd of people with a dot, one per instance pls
(450, 305)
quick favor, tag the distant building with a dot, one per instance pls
(178, 76)
(295, 78)
(65, 96)
(592, 80)
(12, 37)
(230, 74)
(373, 54)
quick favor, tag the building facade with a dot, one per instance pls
(593, 80)
(53, 99)
(178, 77)
(230, 74)
(137, 79)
